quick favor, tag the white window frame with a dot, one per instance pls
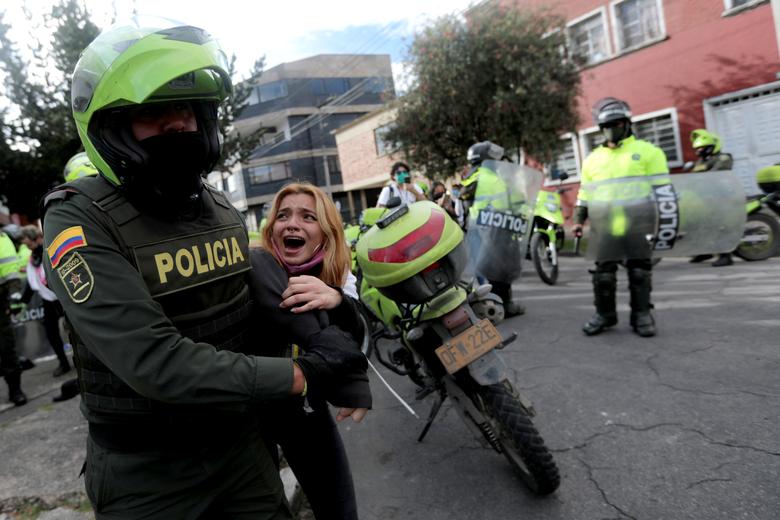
(601, 11)
(729, 9)
(672, 111)
(617, 32)
(571, 136)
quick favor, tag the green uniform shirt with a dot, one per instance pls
(634, 157)
(721, 161)
(9, 260)
(123, 326)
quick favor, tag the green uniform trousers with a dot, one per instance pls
(237, 481)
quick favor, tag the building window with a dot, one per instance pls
(334, 169)
(274, 90)
(736, 6)
(660, 128)
(383, 147)
(268, 173)
(637, 23)
(587, 37)
(231, 183)
(566, 160)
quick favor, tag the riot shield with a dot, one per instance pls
(499, 230)
(664, 215)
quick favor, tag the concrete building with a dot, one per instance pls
(681, 65)
(365, 157)
(300, 104)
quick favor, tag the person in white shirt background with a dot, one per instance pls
(36, 281)
(400, 186)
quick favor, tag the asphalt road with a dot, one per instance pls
(680, 426)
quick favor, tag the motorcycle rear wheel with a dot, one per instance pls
(541, 252)
(520, 440)
(759, 225)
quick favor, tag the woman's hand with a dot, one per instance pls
(305, 293)
(357, 414)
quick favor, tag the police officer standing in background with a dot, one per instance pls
(482, 188)
(150, 265)
(622, 155)
(10, 288)
(708, 149)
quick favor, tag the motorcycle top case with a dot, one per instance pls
(665, 215)
(413, 253)
(497, 234)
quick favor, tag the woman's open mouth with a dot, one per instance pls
(293, 244)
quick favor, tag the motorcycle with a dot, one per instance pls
(761, 238)
(415, 256)
(547, 236)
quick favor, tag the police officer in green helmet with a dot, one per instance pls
(10, 292)
(151, 266)
(78, 166)
(483, 188)
(708, 148)
(622, 155)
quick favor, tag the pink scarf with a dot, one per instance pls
(302, 268)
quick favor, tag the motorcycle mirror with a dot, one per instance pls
(393, 202)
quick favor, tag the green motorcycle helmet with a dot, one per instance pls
(702, 138)
(145, 60)
(78, 166)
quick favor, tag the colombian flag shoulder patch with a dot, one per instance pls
(70, 239)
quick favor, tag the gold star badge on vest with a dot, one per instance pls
(76, 278)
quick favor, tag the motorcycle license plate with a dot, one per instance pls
(468, 346)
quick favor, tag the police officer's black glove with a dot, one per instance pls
(330, 355)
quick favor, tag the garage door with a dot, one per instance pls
(748, 121)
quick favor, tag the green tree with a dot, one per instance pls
(500, 75)
(38, 130)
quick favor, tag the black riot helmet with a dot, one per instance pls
(613, 118)
(484, 151)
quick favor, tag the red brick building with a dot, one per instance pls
(681, 65)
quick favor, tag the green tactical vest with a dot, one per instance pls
(196, 271)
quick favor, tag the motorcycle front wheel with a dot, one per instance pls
(760, 238)
(519, 439)
(545, 258)
(367, 344)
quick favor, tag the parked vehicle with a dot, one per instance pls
(547, 236)
(414, 256)
(761, 238)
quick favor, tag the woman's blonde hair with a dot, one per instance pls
(337, 259)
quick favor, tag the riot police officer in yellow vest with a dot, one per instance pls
(483, 188)
(151, 266)
(708, 148)
(622, 155)
(10, 290)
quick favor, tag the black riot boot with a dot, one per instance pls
(640, 285)
(15, 394)
(604, 285)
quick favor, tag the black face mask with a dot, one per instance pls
(437, 196)
(615, 133)
(172, 174)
